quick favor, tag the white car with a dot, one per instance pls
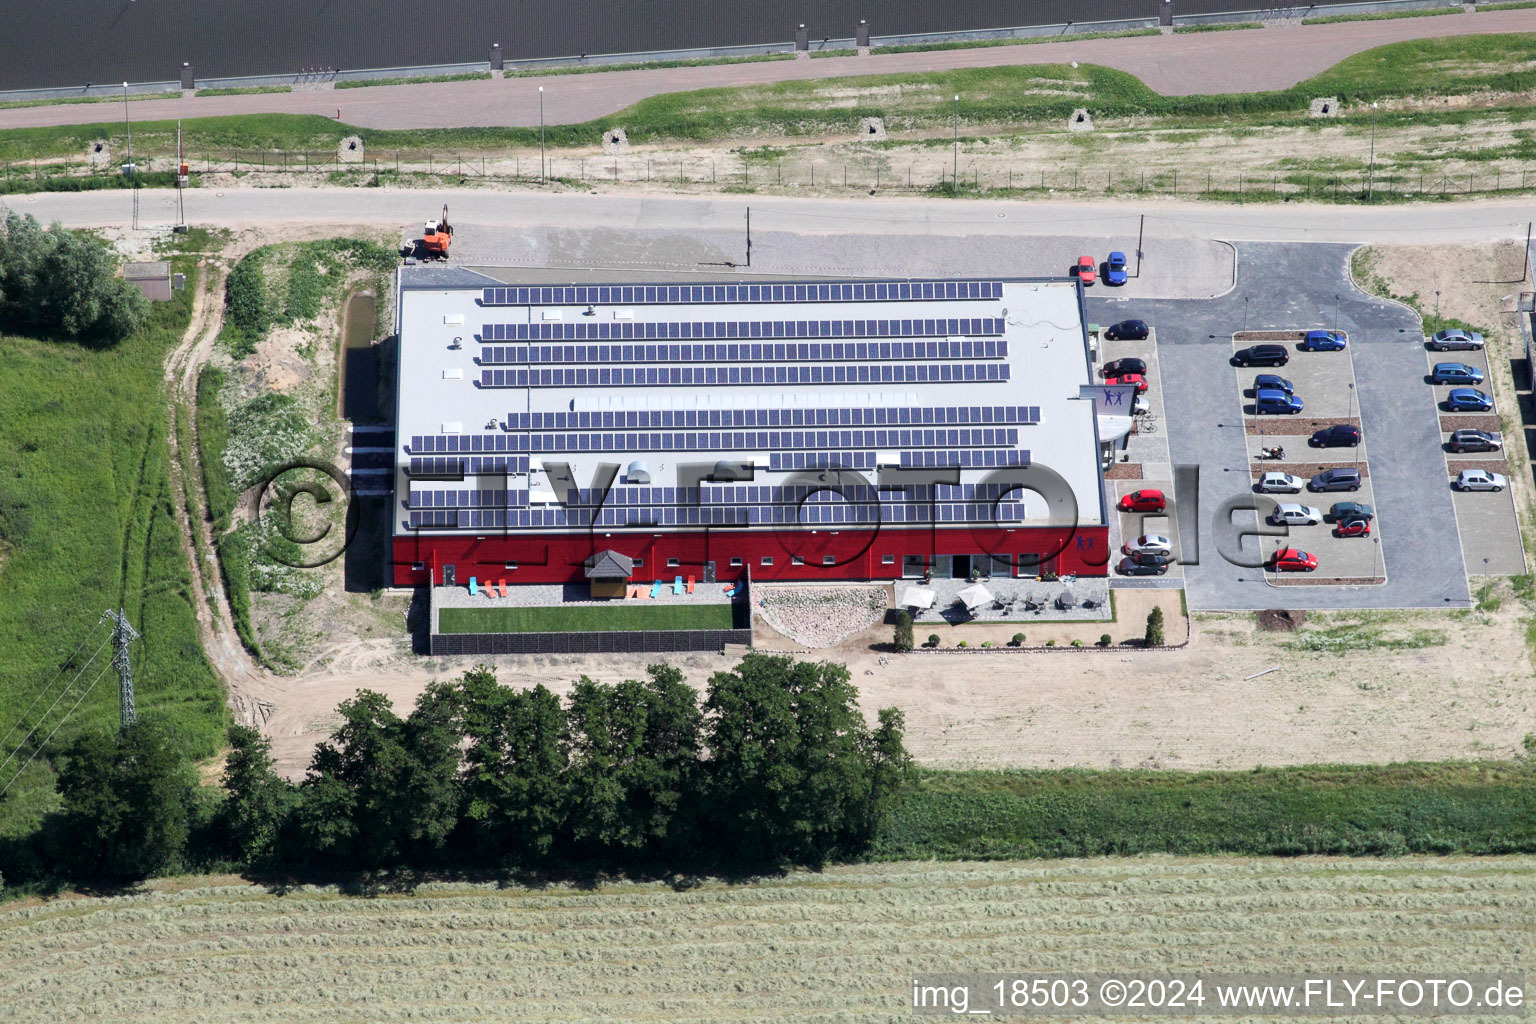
(1150, 543)
(1479, 480)
(1281, 483)
(1295, 515)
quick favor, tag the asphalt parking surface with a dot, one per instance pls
(1281, 286)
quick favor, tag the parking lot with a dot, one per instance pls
(1487, 521)
(1414, 547)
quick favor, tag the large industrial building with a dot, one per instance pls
(799, 430)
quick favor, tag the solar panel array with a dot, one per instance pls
(619, 352)
(722, 330)
(676, 294)
(872, 351)
(727, 376)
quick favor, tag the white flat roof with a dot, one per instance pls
(498, 383)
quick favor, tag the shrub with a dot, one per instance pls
(1105, 640)
(962, 643)
(986, 643)
(1154, 636)
(1050, 643)
(1077, 643)
(933, 640)
(1017, 641)
(903, 637)
(62, 283)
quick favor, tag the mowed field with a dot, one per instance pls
(839, 945)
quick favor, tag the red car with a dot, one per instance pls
(1353, 528)
(1129, 378)
(1293, 560)
(1144, 500)
(1087, 270)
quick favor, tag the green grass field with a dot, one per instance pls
(1395, 809)
(87, 523)
(585, 618)
(834, 945)
(994, 96)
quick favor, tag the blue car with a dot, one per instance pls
(1324, 341)
(1275, 401)
(1455, 373)
(1468, 400)
(1272, 381)
(1114, 269)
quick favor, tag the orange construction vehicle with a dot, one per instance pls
(436, 237)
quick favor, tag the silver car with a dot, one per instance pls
(1455, 339)
(1288, 514)
(1281, 483)
(1479, 480)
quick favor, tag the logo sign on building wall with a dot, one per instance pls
(1109, 399)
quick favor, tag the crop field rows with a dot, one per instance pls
(837, 945)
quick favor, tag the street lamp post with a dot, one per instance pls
(954, 178)
(542, 171)
(1437, 303)
(1370, 181)
(127, 123)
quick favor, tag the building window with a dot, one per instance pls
(673, 563)
(736, 560)
(509, 566)
(888, 560)
(418, 566)
(796, 560)
(637, 562)
(828, 560)
(767, 560)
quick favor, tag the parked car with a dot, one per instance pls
(1128, 379)
(1343, 478)
(1468, 400)
(1293, 560)
(1274, 382)
(1121, 367)
(1163, 558)
(1352, 528)
(1467, 440)
(1114, 269)
(1128, 330)
(1129, 567)
(1086, 270)
(1343, 510)
(1144, 500)
(1456, 339)
(1455, 373)
(1262, 355)
(1270, 400)
(1479, 480)
(1340, 435)
(1281, 483)
(1324, 341)
(1288, 514)
(1150, 542)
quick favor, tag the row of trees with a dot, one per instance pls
(59, 283)
(776, 767)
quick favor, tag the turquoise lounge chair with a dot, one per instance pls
(474, 587)
(656, 589)
(677, 586)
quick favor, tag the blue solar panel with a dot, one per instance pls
(793, 374)
(507, 355)
(690, 330)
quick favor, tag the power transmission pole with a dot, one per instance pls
(122, 635)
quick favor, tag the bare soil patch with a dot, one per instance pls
(1296, 424)
(1274, 620)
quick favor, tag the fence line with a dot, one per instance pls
(733, 171)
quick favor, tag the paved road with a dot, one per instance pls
(1178, 65)
(1291, 285)
(1469, 222)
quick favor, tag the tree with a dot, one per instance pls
(257, 801)
(634, 751)
(59, 282)
(791, 769)
(903, 638)
(515, 761)
(127, 799)
(1154, 636)
(382, 790)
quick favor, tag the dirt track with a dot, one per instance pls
(1178, 65)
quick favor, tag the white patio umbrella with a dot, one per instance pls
(917, 597)
(974, 596)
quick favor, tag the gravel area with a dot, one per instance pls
(821, 616)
